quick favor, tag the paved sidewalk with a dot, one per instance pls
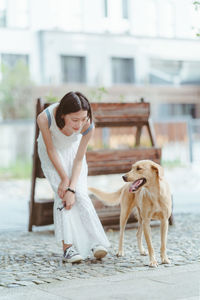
(31, 264)
(181, 282)
(33, 258)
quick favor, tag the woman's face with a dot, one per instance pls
(75, 121)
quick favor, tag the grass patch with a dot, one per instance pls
(170, 164)
(20, 169)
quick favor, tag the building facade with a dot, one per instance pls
(102, 42)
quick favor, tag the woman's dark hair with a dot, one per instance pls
(70, 103)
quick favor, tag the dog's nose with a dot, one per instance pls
(124, 178)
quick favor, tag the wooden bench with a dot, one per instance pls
(105, 161)
(119, 161)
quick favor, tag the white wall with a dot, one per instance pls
(12, 147)
(79, 27)
(98, 50)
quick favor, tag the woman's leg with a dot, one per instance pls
(65, 246)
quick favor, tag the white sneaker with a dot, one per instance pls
(99, 251)
(71, 255)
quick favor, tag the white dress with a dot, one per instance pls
(80, 225)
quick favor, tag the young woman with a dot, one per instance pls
(65, 130)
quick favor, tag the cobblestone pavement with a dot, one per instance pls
(34, 258)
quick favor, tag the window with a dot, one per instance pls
(73, 69)
(164, 71)
(174, 72)
(125, 9)
(177, 109)
(3, 21)
(12, 59)
(122, 70)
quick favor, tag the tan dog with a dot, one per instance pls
(150, 194)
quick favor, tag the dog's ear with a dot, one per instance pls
(158, 169)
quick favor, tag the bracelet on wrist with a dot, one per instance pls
(71, 190)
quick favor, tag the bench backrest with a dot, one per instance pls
(120, 114)
(109, 115)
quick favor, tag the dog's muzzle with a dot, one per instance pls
(137, 184)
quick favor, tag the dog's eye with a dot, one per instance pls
(138, 169)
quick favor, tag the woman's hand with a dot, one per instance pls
(69, 200)
(62, 187)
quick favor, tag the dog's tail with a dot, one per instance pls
(110, 199)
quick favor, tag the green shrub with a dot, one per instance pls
(172, 163)
(20, 169)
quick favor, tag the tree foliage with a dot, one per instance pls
(15, 92)
(197, 7)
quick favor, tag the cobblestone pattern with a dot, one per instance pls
(34, 258)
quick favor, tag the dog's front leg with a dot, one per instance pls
(139, 237)
(163, 231)
(147, 234)
(121, 240)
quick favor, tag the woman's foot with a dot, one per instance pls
(71, 255)
(99, 251)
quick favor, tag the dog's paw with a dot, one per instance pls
(165, 260)
(143, 253)
(153, 263)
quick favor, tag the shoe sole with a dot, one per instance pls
(73, 260)
(100, 254)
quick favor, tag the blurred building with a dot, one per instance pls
(104, 43)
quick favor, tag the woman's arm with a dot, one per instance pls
(69, 197)
(79, 158)
(52, 153)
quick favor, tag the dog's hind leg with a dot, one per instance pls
(163, 231)
(125, 213)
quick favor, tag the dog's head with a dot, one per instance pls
(143, 172)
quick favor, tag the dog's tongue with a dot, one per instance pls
(135, 185)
